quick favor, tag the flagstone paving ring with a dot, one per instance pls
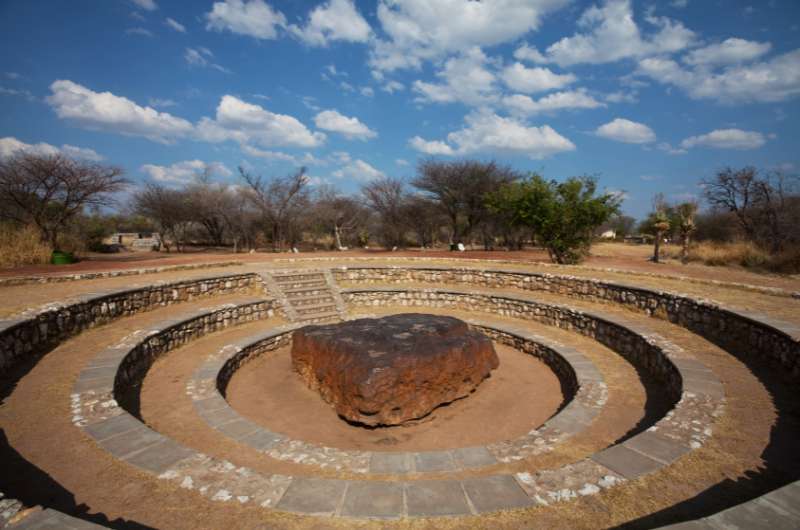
(452, 481)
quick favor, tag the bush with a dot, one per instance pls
(22, 246)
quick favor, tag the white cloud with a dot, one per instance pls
(572, 99)
(777, 79)
(486, 132)
(529, 80)
(351, 128)
(335, 20)
(726, 139)
(10, 146)
(268, 155)
(358, 170)
(729, 51)
(420, 30)
(201, 56)
(142, 32)
(174, 24)
(529, 53)
(610, 34)
(147, 5)
(621, 96)
(367, 91)
(392, 86)
(401, 162)
(105, 111)
(466, 79)
(184, 172)
(432, 147)
(17, 92)
(253, 18)
(246, 122)
(622, 130)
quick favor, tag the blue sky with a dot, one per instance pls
(647, 96)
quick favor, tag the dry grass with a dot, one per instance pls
(22, 246)
(746, 255)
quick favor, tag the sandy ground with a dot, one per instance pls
(269, 392)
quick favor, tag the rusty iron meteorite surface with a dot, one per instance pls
(390, 370)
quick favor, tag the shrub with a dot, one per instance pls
(22, 246)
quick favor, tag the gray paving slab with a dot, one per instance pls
(98, 372)
(754, 515)
(159, 457)
(214, 402)
(787, 497)
(665, 450)
(313, 496)
(391, 463)
(494, 493)
(219, 416)
(433, 461)
(625, 461)
(130, 442)
(467, 457)
(426, 498)
(262, 439)
(112, 426)
(372, 499)
(709, 388)
(101, 384)
(699, 524)
(53, 519)
(237, 429)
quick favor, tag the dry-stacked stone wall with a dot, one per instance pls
(740, 332)
(54, 323)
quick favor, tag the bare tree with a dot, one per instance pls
(385, 196)
(169, 209)
(209, 205)
(762, 203)
(281, 202)
(49, 191)
(460, 189)
(338, 214)
(424, 218)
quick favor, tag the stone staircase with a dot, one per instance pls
(306, 295)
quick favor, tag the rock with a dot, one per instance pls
(390, 370)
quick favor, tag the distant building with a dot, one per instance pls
(136, 241)
(608, 234)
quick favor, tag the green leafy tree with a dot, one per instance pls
(562, 215)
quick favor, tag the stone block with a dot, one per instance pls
(429, 498)
(372, 499)
(494, 493)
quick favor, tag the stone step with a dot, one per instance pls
(306, 291)
(303, 281)
(318, 317)
(312, 300)
(315, 308)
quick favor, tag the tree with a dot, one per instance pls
(460, 190)
(170, 211)
(386, 196)
(424, 218)
(685, 213)
(282, 201)
(658, 224)
(49, 191)
(563, 216)
(762, 203)
(339, 215)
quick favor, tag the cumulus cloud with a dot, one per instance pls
(630, 132)
(147, 5)
(729, 51)
(465, 79)
(777, 79)
(107, 112)
(268, 155)
(573, 99)
(420, 30)
(247, 122)
(174, 24)
(253, 18)
(432, 147)
(10, 146)
(529, 53)
(184, 172)
(358, 170)
(392, 86)
(142, 32)
(726, 139)
(529, 80)
(332, 21)
(351, 128)
(486, 132)
(609, 33)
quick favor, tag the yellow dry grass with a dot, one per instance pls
(22, 246)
